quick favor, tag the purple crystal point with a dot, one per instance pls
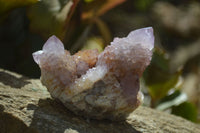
(54, 45)
(143, 36)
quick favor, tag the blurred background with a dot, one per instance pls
(172, 81)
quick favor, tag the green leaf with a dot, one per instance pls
(160, 88)
(94, 43)
(158, 77)
(88, 1)
(143, 5)
(48, 17)
(186, 110)
(6, 5)
(104, 31)
(174, 99)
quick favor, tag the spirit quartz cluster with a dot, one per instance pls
(97, 85)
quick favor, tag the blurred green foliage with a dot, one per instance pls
(52, 16)
(163, 87)
(7, 5)
(26, 24)
(163, 80)
(143, 5)
(186, 110)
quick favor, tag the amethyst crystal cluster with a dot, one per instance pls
(97, 85)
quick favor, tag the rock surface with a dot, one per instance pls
(26, 106)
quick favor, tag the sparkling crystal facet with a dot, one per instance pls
(100, 86)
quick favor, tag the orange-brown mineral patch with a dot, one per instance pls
(88, 56)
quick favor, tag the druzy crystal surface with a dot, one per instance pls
(97, 85)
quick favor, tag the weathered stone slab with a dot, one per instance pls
(26, 106)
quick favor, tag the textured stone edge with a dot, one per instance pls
(26, 101)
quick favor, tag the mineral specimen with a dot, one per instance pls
(97, 86)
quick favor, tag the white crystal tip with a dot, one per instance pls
(53, 44)
(143, 36)
(37, 55)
